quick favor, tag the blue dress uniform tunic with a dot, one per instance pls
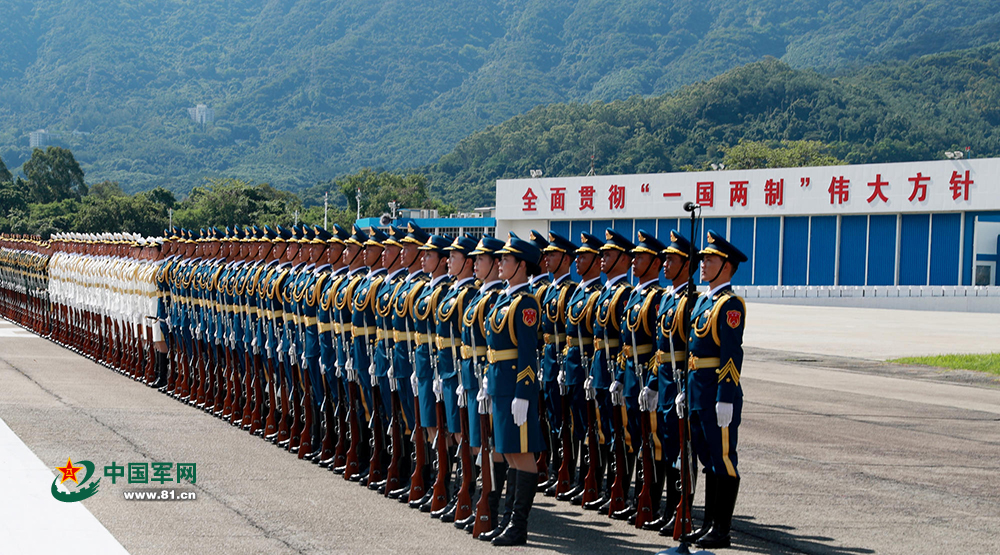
(670, 328)
(403, 338)
(383, 302)
(365, 331)
(307, 300)
(343, 305)
(555, 299)
(424, 311)
(607, 368)
(331, 345)
(448, 343)
(512, 337)
(578, 347)
(474, 351)
(716, 343)
(638, 355)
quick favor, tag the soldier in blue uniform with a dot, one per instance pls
(557, 256)
(486, 269)
(331, 347)
(639, 361)
(448, 344)
(368, 351)
(434, 263)
(607, 370)
(661, 388)
(356, 299)
(512, 384)
(714, 391)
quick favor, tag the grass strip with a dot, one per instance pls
(988, 363)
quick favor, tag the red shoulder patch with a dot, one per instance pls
(733, 318)
(530, 316)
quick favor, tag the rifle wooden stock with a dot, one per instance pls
(286, 401)
(354, 421)
(590, 490)
(258, 395)
(248, 379)
(440, 499)
(542, 462)
(270, 424)
(682, 516)
(463, 507)
(375, 472)
(621, 463)
(417, 486)
(305, 439)
(392, 481)
(644, 512)
(326, 447)
(563, 483)
(483, 516)
(227, 407)
(340, 453)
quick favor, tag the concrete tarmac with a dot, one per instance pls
(839, 454)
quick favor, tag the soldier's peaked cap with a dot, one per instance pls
(488, 245)
(558, 243)
(538, 240)
(321, 235)
(464, 244)
(394, 237)
(283, 234)
(415, 234)
(521, 249)
(616, 241)
(358, 236)
(679, 245)
(340, 235)
(589, 243)
(648, 243)
(718, 245)
(377, 238)
(436, 243)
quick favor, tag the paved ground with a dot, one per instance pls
(840, 454)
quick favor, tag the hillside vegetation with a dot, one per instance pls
(308, 90)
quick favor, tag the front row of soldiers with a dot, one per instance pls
(391, 357)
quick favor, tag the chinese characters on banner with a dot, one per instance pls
(841, 189)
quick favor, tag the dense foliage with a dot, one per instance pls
(307, 90)
(883, 113)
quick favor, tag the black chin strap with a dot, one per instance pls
(717, 274)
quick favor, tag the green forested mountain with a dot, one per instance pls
(883, 113)
(306, 90)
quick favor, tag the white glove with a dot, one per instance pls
(414, 382)
(680, 404)
(724, 414)
(561, 380)
(460, 392)
(615, 387)
(519, 409)
(291, 352)
(390, 373)
(588, 388)
(322, 367)
(647, 400)
(336, 370)
(438, 387)
(484, 401)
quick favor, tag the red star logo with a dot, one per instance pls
(69, 471)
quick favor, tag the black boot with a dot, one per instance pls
(161, 371)
(524, 496)
(726, 490)
(710, 504)
(671, 477)
(508, 503)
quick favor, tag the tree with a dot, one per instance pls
(53, 175)
(228, 202)
(379, 188)
(750, 155)
(5, 175)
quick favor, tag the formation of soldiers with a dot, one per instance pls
(459, 375)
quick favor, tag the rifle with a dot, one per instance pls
(621, 463)
(375, 473)
(483, 514)
(593, 447)
(440, 488)
(340, 455)
(644, 504)
(682, 520)
(417, 486)
(566, 431)
(463, 507)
